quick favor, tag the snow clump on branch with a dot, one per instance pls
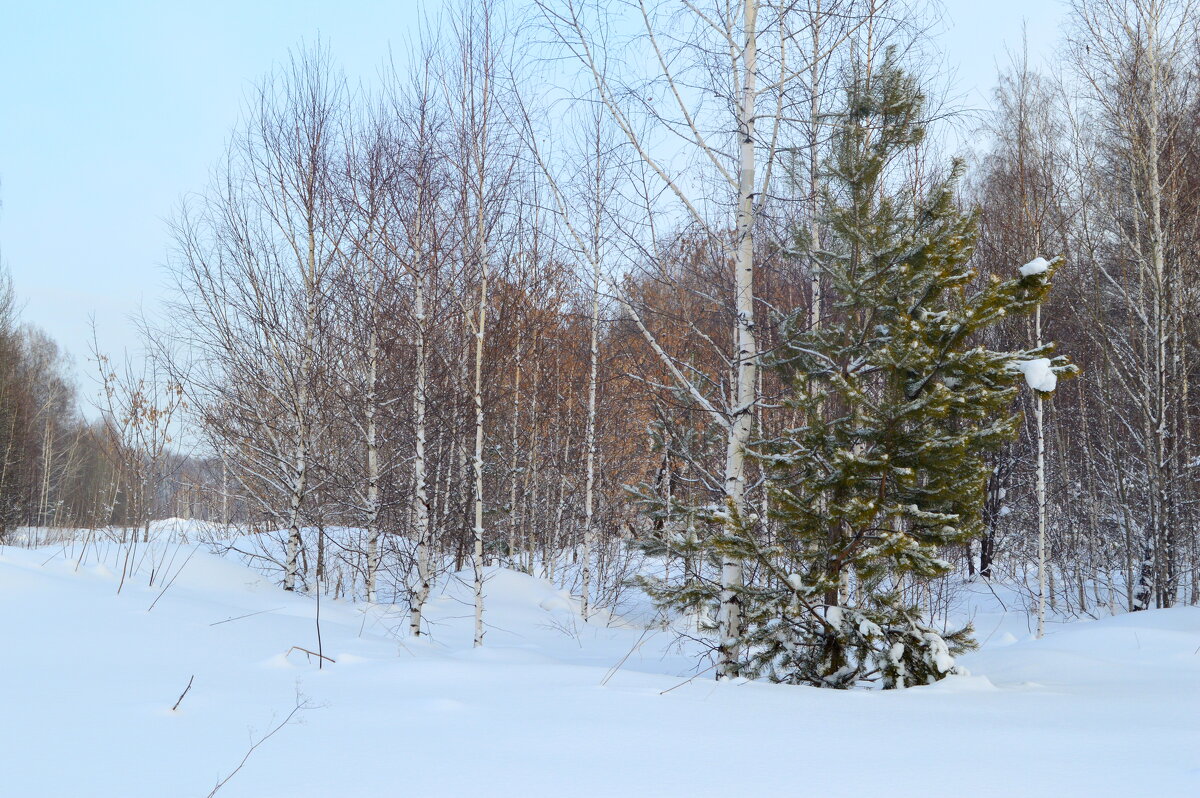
(1039, 375)
(1035, 266)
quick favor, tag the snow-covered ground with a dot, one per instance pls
(549, 707)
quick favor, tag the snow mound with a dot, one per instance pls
(551, 705)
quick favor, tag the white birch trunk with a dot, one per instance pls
(372, 441)
(420, 491)
(513, 470)
(1162, 531)
(47, 465)
(299, 479)
(299, 482)
(729, 613)
(589, 525)
(299, 485)
(814, 161)
(224, 490)
(1041, 503)
(477, 552)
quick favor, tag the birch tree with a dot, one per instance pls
(419, 245)
(1023, 203)
(1133, 57)
(482, 163)
(716, 99)
(253, 264)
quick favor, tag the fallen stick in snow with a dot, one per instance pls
(688, 681)
(247, 615)
(311, 653)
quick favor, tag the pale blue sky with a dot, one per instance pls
(111, 111)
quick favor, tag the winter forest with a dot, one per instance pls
(714, 346)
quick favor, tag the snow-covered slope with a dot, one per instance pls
(550, 706)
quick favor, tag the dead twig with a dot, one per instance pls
(310, 653)
(299, 706)
(185, 692)
(247, 615)
(613, 670)
(167, 586)
(688, 681)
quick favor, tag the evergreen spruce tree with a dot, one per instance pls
(897, 406)
(900, 405)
